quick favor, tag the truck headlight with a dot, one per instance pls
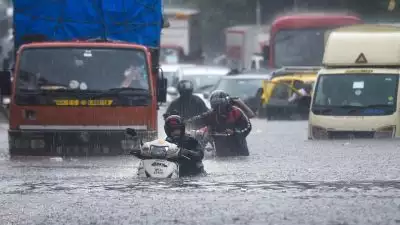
(385, 132)
(319, 132)
(158, 151)
(6, 100)
(37, 143)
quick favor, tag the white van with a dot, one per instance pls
(357, 93)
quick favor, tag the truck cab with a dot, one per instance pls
(75, 90)
(357, 91)
(299, 39)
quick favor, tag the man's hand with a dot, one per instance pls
(184, 153)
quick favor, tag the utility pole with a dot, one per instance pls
(258, 15)
(295, 6)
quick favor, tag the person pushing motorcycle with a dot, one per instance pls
(192, 152)
(225, 118)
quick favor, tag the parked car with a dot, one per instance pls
(276, 94)
(247, 87)
(204, 78)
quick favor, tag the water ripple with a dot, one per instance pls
(187, 185)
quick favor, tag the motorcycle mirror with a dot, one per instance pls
(131, 132)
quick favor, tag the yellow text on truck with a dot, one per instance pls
(356, 94)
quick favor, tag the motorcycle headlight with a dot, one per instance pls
(172, 151)
(385, 132)
(158, 151)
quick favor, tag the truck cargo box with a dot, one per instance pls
(133, 21)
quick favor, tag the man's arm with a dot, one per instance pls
(138, 155)
(293, 97)
(243, 124)
(196, 152)
(199, 121)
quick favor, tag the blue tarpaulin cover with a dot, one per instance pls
(134, 21)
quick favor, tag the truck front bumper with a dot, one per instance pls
(75, 143)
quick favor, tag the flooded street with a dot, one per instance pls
(286, 180)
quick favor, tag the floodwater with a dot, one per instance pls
(286, 180)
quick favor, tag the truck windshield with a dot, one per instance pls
(299, 47)
(355, 94)
(82, 69)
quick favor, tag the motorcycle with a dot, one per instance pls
(158, 158)
(202, 135)
(205, 138)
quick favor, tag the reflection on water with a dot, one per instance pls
(132, 185)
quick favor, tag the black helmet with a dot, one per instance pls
(173, 112)
(220, 101)
(174, 122)
(185, 88)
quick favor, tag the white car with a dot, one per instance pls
(170, 72)
(203, 78)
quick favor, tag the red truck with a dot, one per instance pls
(298, 39)
(76, 98)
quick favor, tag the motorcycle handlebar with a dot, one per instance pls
(193, 132)
(220, 134)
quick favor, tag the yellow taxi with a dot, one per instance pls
(277, 91)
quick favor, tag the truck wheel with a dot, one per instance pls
(18, 152)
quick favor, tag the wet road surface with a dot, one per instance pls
(286, 180)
